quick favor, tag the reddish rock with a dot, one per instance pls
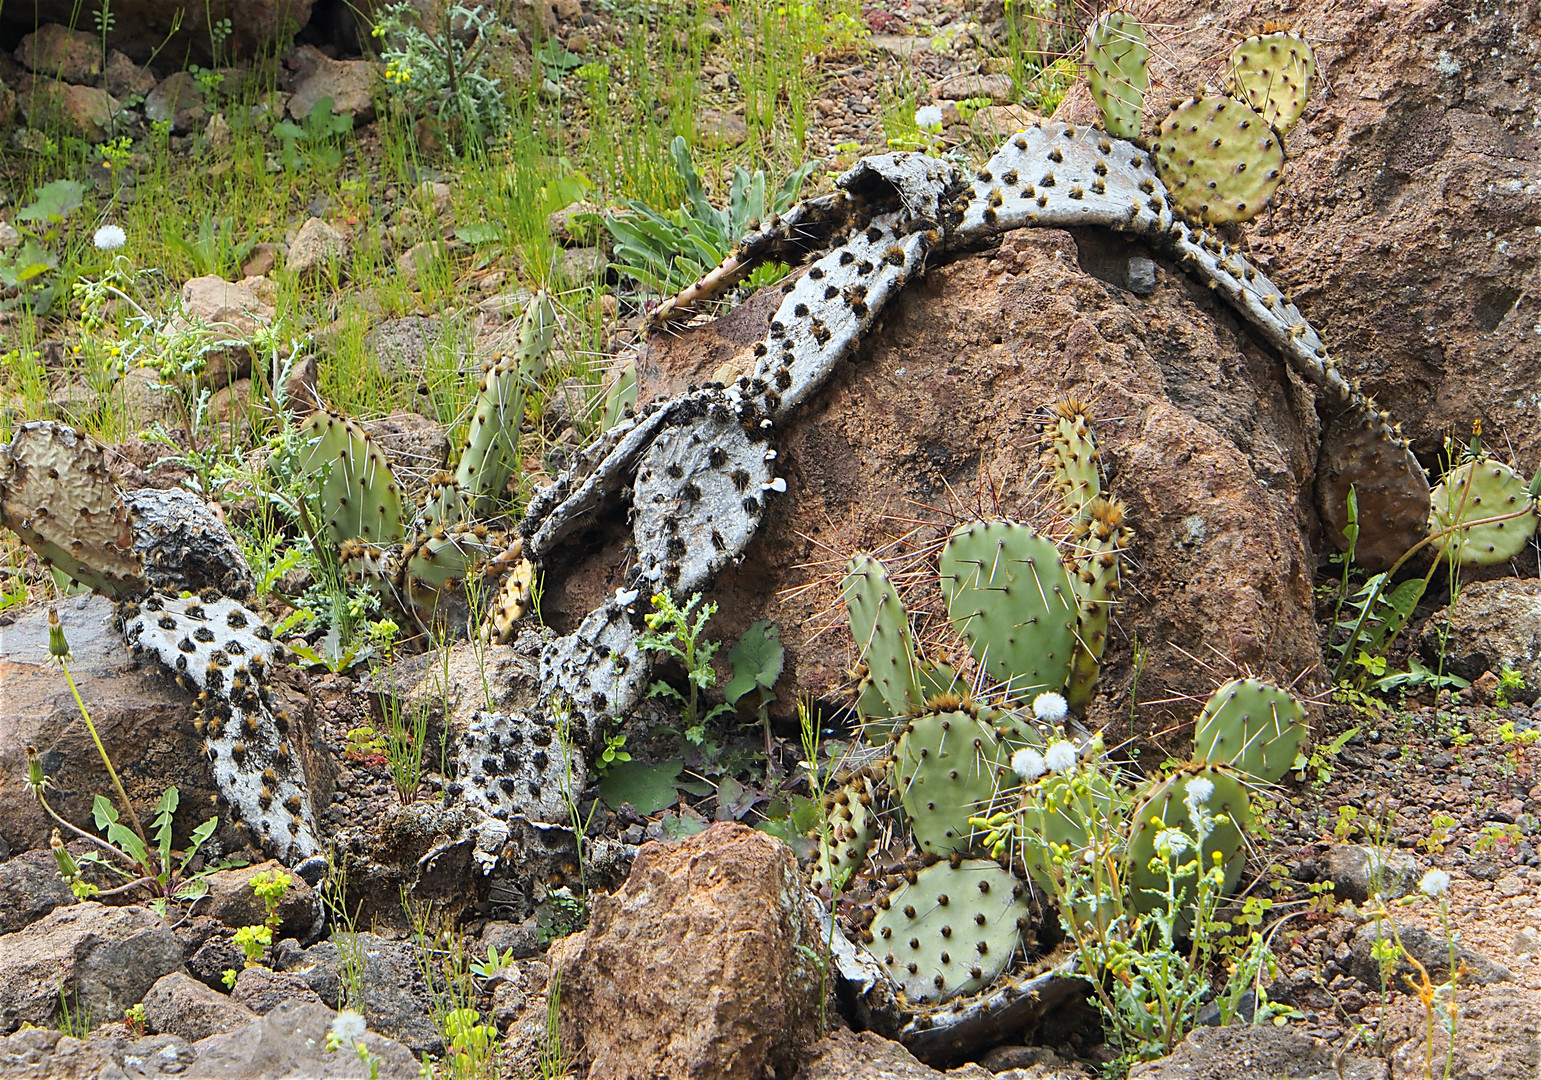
(1205, 436)
(696, 967)
(1407, 226)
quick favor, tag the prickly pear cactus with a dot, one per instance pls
(1010, 597)
(1220, 160)
(854, 825)
(491, 455)
(883, 638)
(948, 767)
(223, 650)
(1173, 804)
(950, 929)
(1116, 72)
(1273, 74)
(358, 493)
(57, 494)
(1479, 490)
(517, 764)
(1253, 727)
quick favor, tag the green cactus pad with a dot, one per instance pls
(1164, 808)
(1073, 454)
(491, 455)
(1475, 491)
(440, 559)
(853, 827)
(1273, 74)
(950, 931)
(358, 493)
(1011, 598)
(882, 632)
(1098, 540)
(1116, 72)
(1252, 726)
(948, 767)
(1219, 159)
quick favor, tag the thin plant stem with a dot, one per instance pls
(128, 807)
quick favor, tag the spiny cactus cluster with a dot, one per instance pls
(954, 927)
(1221, 157)
(419, 568)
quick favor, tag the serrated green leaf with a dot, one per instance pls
(53, 202)
(649, 788)
(757, 659)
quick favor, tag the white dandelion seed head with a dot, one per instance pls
(1050, 707)
(1200, 789)
(1172, 842)
(1028, 764)
(348, 1027)
(1061, 756)
(1434, 883)
(109, 238)
(928, 116)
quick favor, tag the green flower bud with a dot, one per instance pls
(58, 648)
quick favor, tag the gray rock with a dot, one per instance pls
(395, 999)
(315, 246)
(124, 77)
(54, 52)
(83, 111)
(109, 1053)
(522, 938)
(1358, 872)
(141, 719)
(232, 901)
(1494, 624)
(1496, 1037)
(1430, 950)
(399, 347)
(1141, 276)
(582, 264)
(291, 1042)
(180, 1005)
(229, 314)
(349, 83)
(961, 87)
(30, 887)
(213, 958)
(1256, 1053)
(262, 990)
(102, 959)
(176, 100)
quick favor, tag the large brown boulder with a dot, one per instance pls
(701, 967)
(1407, 228)
(1205, 435)
(141, 28)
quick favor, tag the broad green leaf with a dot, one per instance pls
(756, 660)
(478, 232)
(649, 788)
(104, 812)
(54, 202)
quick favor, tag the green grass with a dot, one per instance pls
(197, 209)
